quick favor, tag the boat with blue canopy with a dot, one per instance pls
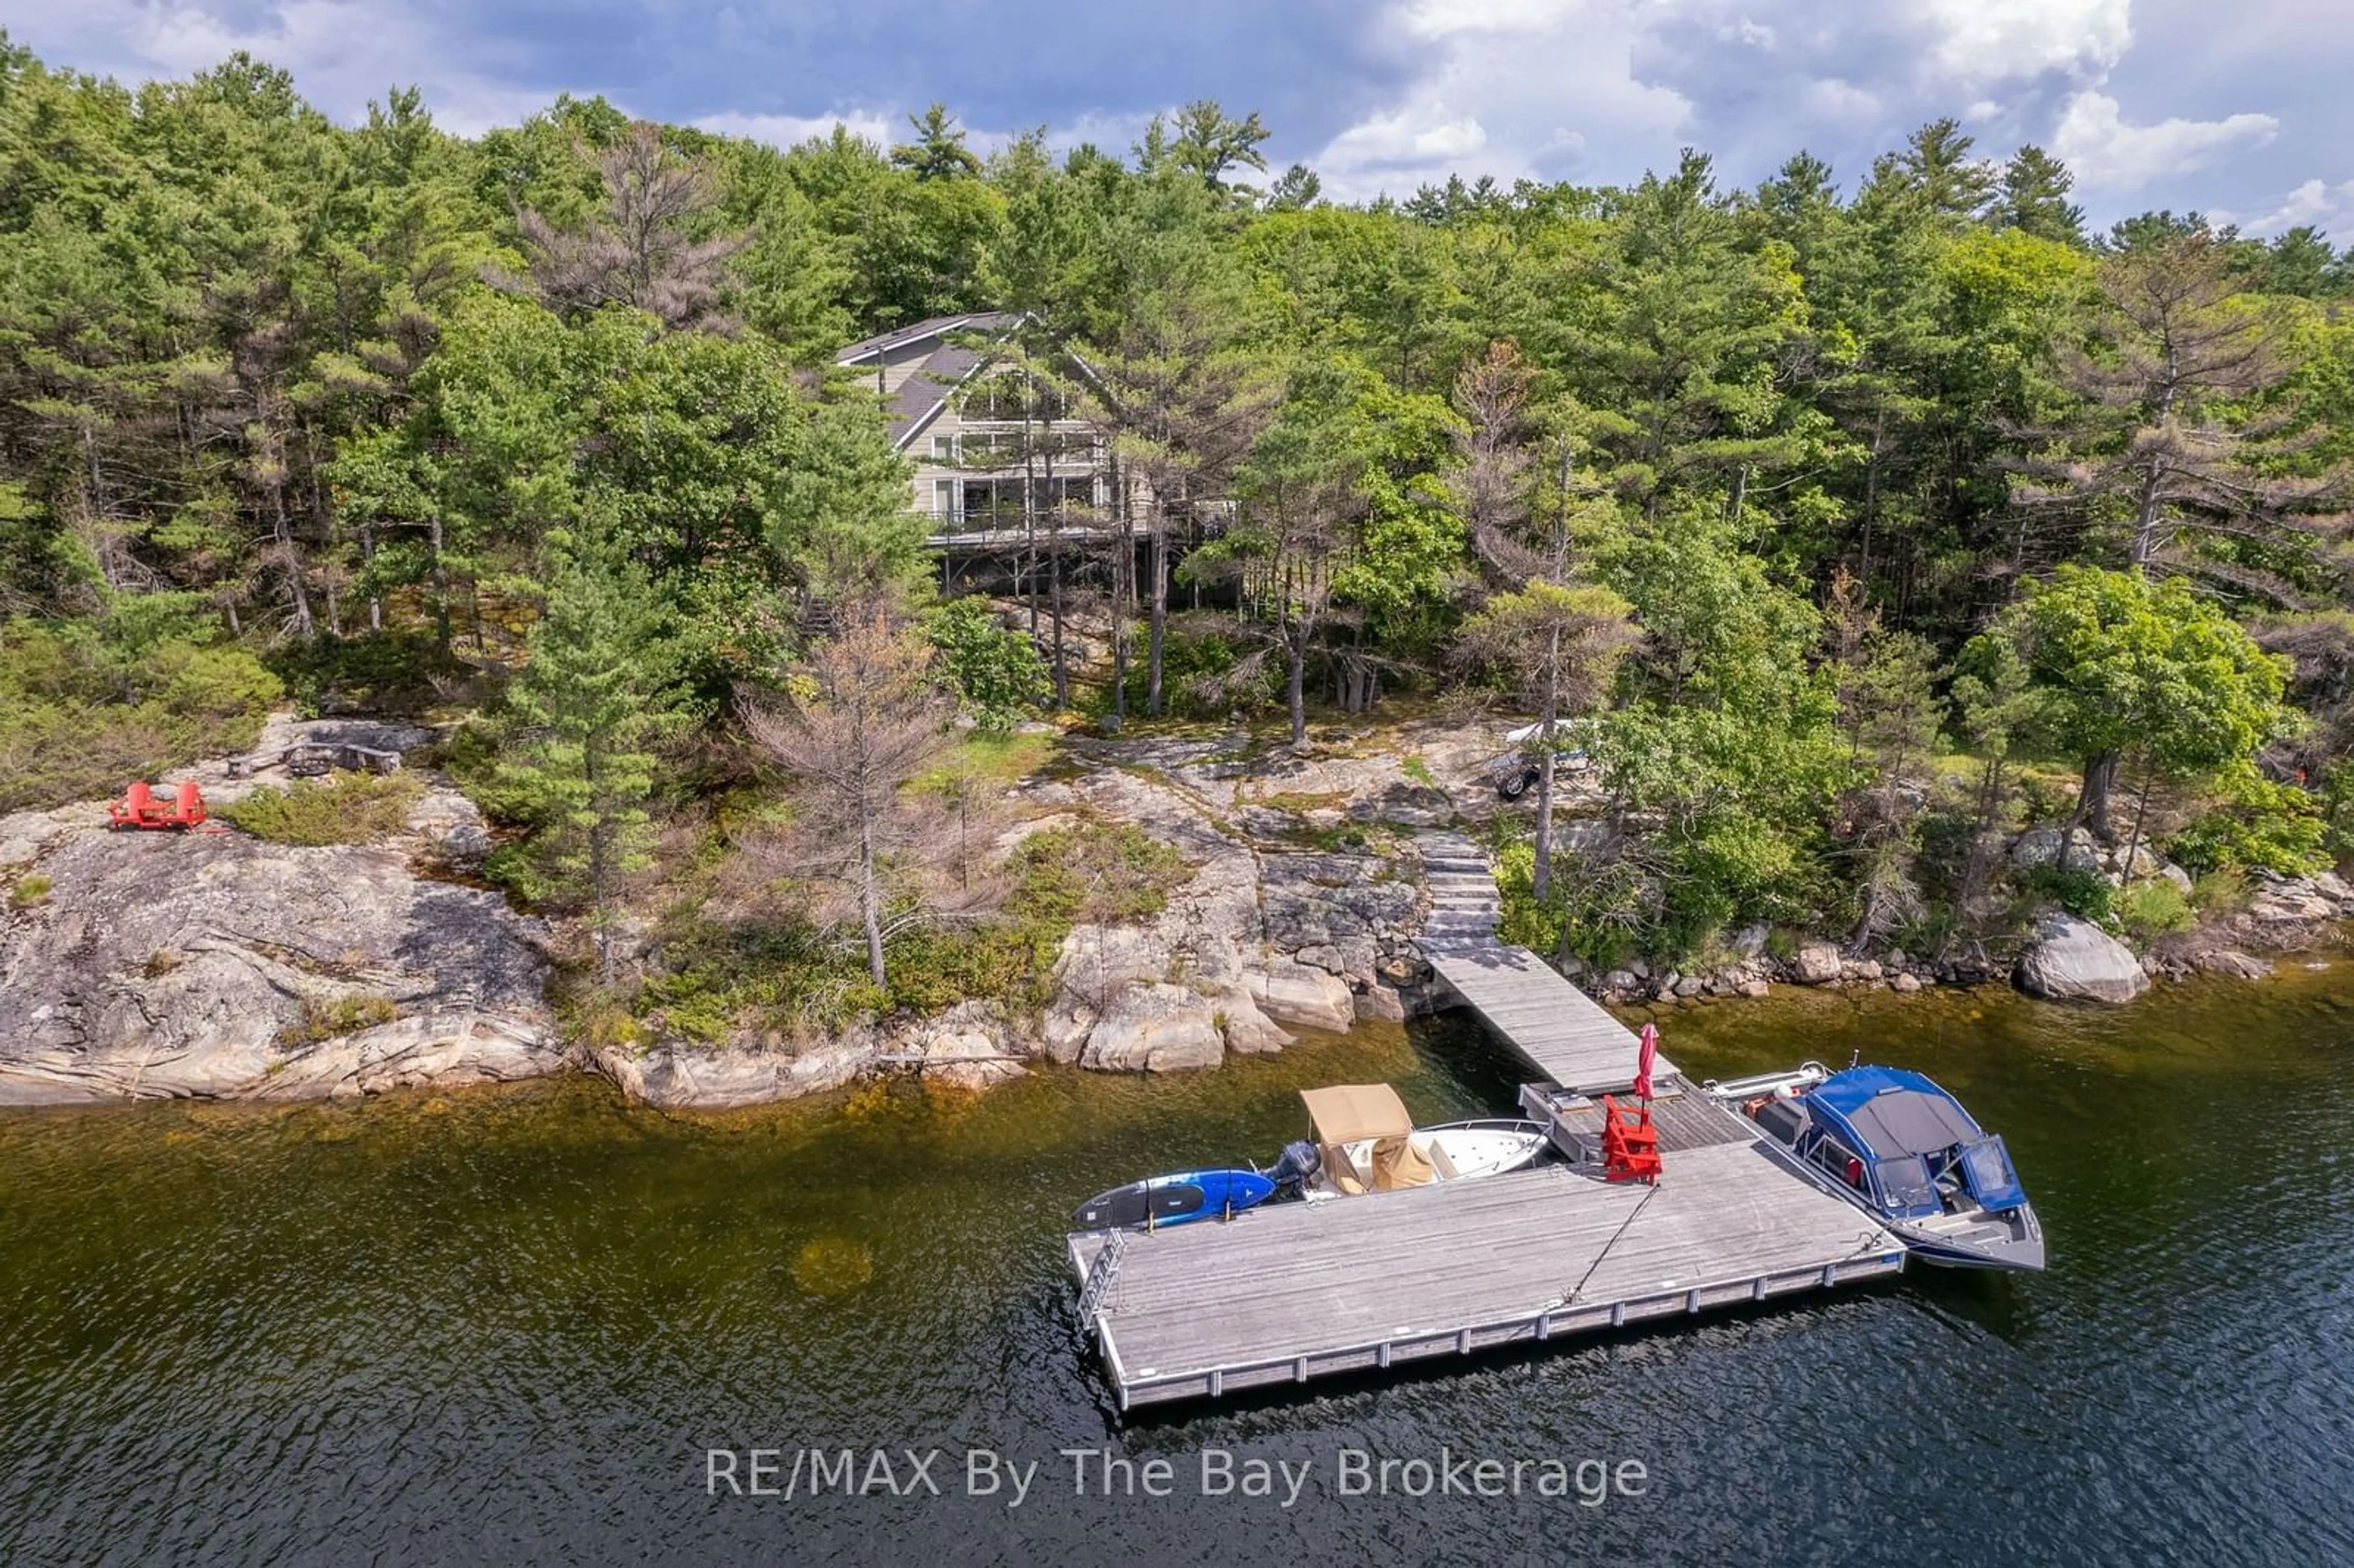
(1898, 1146)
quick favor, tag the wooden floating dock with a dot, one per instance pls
(1293, 1291)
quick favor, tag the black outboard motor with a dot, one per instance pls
(1301, 1160)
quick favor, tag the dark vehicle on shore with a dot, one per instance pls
(1515, 772)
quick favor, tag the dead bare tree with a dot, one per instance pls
(860, 719)
(2166, 444)
(643, 251)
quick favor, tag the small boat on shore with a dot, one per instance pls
(1364, 1141)
(1173, 1199)
(1905, 1151)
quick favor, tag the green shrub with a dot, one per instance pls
(1599, 915)
(2219, 892)
(88, 705)
(30, 889)
(2077, 889)
(349, 809)
(1203, 676)
(383, 673)
(996, 671)
(2149, 910)
(2258, 825)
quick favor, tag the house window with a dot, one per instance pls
(991, 505)
(944, 498)
(997, 398)
(944, 448)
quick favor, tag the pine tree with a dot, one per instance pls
(592, 703)
(2034, 197)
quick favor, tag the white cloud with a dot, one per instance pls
(1514, 88)
(1631, 79)
(2095, 140)
(791, 129)
(1990, 40)
(2327, 208)
(341, 53)
(1412, 138)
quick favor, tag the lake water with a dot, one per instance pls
(508, 1326)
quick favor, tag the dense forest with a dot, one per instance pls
(1847, 521)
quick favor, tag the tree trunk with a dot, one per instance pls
(600, 895)
(1123, 567)
(290, 561)
(1054, 570)
(2092, 801)
(1160, 611)
(870, 903)
(441, 586)
(1295, 649)
(1540, 879)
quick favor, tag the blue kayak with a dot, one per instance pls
(1173, 1199)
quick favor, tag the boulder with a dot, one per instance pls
(2229, 962)
(967, 1047)
(2040, 846)
(2177, 875)
(1817, 963)
(1296, 994)
(1749, 942)
(1753, 987)
(1380, 1004)
(968, 1059)
(1620, 981)
(1905, 983)
(449, 829)
(1155, 1028)
(2076, 959)
(1247, 1028)
(1690, 985)
(682, 1077)
(2290, 901)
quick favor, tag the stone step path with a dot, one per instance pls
(1464, 904)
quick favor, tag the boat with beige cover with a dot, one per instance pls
(1364, 1141)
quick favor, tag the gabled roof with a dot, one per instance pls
(990, 322)
(926, 390)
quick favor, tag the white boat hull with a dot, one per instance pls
(1458, 1151)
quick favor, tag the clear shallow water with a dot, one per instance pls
(507, 1326)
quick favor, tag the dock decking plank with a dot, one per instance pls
(1292, 1291)
(1319, 1281)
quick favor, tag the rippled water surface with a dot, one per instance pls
(507, 1326)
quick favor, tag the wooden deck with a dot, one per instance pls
(1559, 1030)
(1293, 1291)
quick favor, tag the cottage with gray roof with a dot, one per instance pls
(956, 404)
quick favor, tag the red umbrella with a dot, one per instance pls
(1648, 1060)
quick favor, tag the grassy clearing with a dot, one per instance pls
(350, 809)
(795, 980)
(1001, 760)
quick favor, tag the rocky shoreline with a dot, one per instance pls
(214, 965)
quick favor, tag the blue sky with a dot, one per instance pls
(2241, 110)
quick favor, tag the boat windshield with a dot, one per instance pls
(1905, 1187)
(1986, 1169)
